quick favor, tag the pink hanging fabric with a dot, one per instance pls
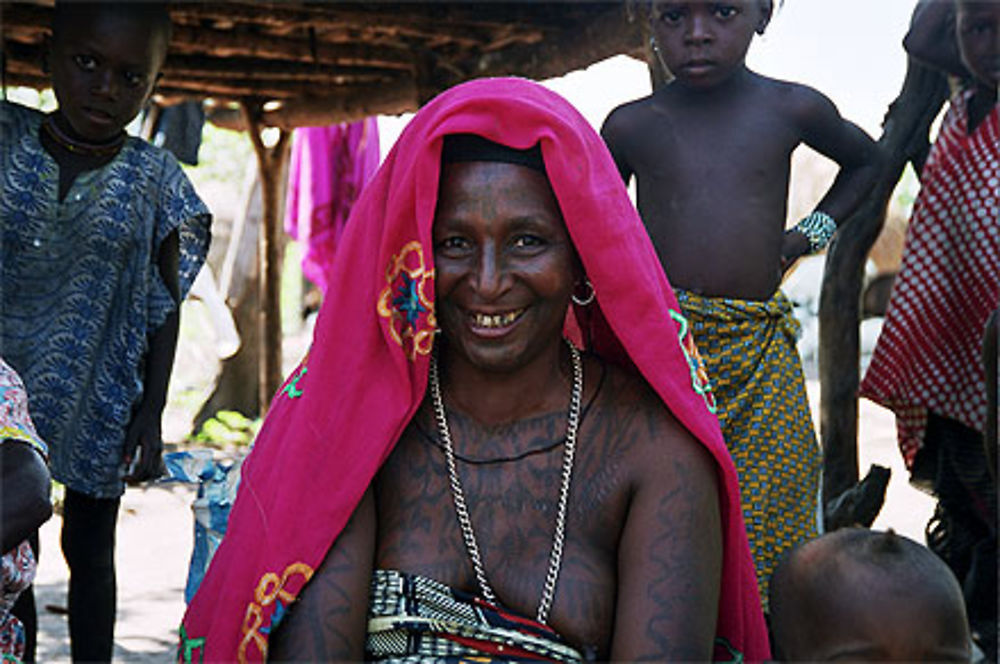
(328, 169)
(339, 415)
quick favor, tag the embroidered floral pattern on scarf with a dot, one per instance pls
(407, 301)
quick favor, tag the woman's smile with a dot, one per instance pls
(494, 323)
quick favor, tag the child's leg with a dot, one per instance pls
(88, 544)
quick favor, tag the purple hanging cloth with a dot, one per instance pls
(329, 167)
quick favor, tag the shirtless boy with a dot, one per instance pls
(711, 153)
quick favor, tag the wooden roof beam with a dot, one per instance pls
(191, 65)
(229, 43)
(577, 46)
(459, 20)
(345, 104)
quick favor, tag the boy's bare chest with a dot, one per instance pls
(727, 146)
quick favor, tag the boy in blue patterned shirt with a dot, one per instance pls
(102, 236)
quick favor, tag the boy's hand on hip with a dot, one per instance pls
(143, 453)
(794, 246)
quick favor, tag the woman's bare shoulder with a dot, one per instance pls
(644, 422)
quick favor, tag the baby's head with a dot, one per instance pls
(861, 595)
(105, 58)
(977, 28)
(702, 43)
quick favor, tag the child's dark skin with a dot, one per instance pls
(103, 66)
(711, 153)
(840, 609)
(961, 38)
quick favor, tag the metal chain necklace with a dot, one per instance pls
(462, 510)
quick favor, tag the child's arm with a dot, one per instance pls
(931, 38)
(615, 131)
(823, 129)
(144, 430)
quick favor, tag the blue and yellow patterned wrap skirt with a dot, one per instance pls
(756, 375)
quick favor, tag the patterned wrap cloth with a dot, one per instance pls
(81, 292)
(929, 354)
(17, 567)
(412, 618)
(756, 373)
(338, 416)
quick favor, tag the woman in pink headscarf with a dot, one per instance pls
(502, 443)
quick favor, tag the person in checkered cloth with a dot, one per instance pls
(928, 363)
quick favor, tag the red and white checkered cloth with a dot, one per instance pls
(929, 355)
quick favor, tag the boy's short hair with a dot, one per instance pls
(155, 14)
(767, 5)
(897, 559)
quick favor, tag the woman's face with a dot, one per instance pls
(504, 264)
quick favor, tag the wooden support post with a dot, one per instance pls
(271, 162)
(904, 138)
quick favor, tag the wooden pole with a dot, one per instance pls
(271, 161)
(904, 138)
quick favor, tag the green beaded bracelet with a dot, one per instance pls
(818, 228)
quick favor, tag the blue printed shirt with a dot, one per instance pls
(81, 292)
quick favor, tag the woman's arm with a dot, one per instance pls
(328, 621)
(24, 492)
(670, 554)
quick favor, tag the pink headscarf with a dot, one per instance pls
(329, 430)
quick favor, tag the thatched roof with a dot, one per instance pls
(350, 59)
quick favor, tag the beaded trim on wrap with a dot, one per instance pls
(462, 510)
(818, 227)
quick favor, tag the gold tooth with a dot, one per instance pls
(496, 320)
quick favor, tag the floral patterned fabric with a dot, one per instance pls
(17, 567)
(81, 292)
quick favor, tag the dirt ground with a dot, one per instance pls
(155, 531)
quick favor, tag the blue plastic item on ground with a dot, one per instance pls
(217, 484)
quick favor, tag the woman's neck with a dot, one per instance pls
(494, 398)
